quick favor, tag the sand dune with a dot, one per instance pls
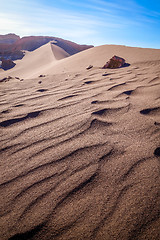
(34, 63)
(44, 59)
(80, 150)
(98, 56)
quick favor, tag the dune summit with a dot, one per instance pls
(12, 46)
(80, 147)
(34, 63)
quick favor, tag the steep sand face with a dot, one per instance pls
(58, 52)
(79, 151)
(34, 62)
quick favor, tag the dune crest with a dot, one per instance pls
(34, 62)
(42, 60)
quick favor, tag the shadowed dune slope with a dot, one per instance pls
(80, 149)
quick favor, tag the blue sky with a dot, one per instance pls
(97, 22)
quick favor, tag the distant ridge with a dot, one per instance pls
(12, 46)
(9, 38)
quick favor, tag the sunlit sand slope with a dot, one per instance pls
(34, 63)
(80, 150)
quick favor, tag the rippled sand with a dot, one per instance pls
(78, 153)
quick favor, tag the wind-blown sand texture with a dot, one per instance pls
(78, 151)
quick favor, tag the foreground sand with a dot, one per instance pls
(78, 150)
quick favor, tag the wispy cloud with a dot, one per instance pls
(40, 19)
(115, 9)
(89, 21)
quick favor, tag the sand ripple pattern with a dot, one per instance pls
(77, 156)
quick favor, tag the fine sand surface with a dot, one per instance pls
(79, 148)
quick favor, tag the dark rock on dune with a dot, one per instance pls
(89, 67)
(115, 62)
(6, 79)
(3, 79)
(41, 75)
(7, 64)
